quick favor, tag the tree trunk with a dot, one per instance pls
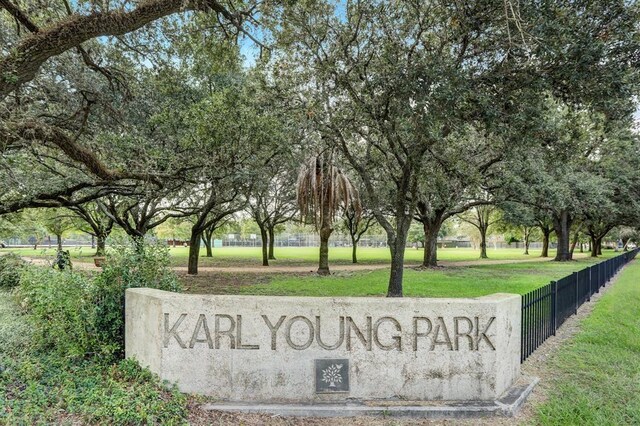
(194, 252)
(430, 258)
(625, 244)
(599, 245)
(562, 225)
(272, 239)
(397, 244)
(526, 245)
(574, 243)
(545, 242)
(354, 248)
(59, 238)
(483, 243)
(93, 241)
(323, 263)
(208, 240)
(265, 245)
(594, 246)
(138, 242)
(101, 244)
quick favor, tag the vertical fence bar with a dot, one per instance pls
(522, 328)
(554, 285)
(575, 283)
(536, 330)
(530, 348)
(590, 288)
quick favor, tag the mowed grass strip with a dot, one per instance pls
(471, 281)
(305, 256)
(292, 256)
(597, 376)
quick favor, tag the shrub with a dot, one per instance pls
(10, 266)
(78, 315)
(127, 267)
(58, 306)
(51, 368)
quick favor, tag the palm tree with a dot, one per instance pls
(322, 189)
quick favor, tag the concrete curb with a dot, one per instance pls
(507, 406)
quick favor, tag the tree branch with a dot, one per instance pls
(33, 131)
(19, 15)
(24, 61)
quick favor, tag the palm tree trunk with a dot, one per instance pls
(323, 264)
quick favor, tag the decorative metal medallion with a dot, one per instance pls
(332, 375)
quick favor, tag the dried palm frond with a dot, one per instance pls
(322, 189)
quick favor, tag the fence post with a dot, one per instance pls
(575, 280)
(554, 284)
(589, 297)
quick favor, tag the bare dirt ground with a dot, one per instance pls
(222, 280)
(302, 269)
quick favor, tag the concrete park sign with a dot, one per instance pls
(304, 349)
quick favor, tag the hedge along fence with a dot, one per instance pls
(545, 309)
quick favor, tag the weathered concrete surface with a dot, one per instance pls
(507, 406)
(301, 349)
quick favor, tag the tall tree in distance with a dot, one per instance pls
(482, 218)
(322, 189)
(357, 225)
(95, 222)
(272, 203)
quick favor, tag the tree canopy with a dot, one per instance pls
(133, 114)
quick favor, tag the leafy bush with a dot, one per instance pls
(127, 267)
(39, 388)
(10, 265)
(79, 315)
(52, 364)
(58, 306)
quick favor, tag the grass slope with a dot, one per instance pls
(598, 374)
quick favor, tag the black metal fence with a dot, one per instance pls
(545, 309)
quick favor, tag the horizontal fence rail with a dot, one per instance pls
(546, 308)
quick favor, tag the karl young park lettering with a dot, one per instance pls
(312, 349)
(217, 331)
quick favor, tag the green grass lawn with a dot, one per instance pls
(228, 256)
(471, 281)
(597, 380)
(452, 281)
(302, 256)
